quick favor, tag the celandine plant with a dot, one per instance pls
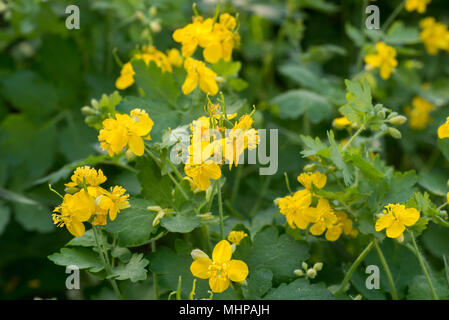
(175, 221)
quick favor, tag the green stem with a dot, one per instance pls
(353, 137)
(393, 15)
(155, 280)
(235, 188)
(423, 266)
(220, 209)
(387, 271)
(442, 206)
(261, 196)
(354, 266)
(107, 266)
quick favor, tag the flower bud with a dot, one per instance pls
(395, 133)
(153, 11)
(233, 247)
(88, 111)
(381, 114)
(298, 272)
(400, 239)
(304, 265)
(318, 266)
(198, 254)
(276, 201)
(206, 216)
(155, 26)
(243, 283)
(154, 208)
(310, 167)
(398, 120)
(311, 273)
(139, 15)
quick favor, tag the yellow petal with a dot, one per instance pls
(222, 252)
(200, 268)
(219, 284)
(384, 221)
(136, 145)
(317, 229)
(238, 270)
(443, 131)
(409, 216)
(212, 53)
(333, 233)
(76, 228)
(190, 83)
(395, 230)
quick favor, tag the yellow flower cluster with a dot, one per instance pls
(434, 35)
(220, 270)
(235, 237)
(87, 201)
(419, 113)
(384, 59)
(395, 218)
(217, 38)
(126, 131)
(162, 60)
(418, 5)
(213, 145)
(300, 214)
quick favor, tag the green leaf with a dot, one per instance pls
(133, 225)
(300, 289)
(227, 69)
(169, 266)
(155, 187)
(269, 249)
(86, 240)
(294, 103)
(34, 217)
(5, 216)
(302, 75)
(436, 240)
(158, 85)
(259, 282)
(419, 289)
(434, 181)
(400, 187)
(28, 92)
(359, 101)
(355, 35)
(83, 258)
(337, 159)
(312, 146)
(367, 168)
(399, 34)
(134, 270)
(123, 254)
(181, 223)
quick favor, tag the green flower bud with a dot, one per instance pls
(395, 133)
(398, 120)
(381, 114)
(304, 265)
(88, 111)
(310, 167)
(318, 266)
(311, 273)
(298, 272)
(198, 254)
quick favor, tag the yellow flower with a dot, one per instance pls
(419, 113)
(323, 217)
(235, 237)
(199, 73)
(317, 178)
(434, 35)
(443, 130)
(418, 5)
(114, 201)
(220, 42)
(127, 73)
(174, 57)
(74, 210)
(296, 209)
(199, 175)
(86, 175)
(193, 35)
(220, 270)
(343, 225)
(341, 123)
(384, 58)
(241, 137)
(126, 131)
(395, 218)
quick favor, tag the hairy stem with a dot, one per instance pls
(394, 294)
